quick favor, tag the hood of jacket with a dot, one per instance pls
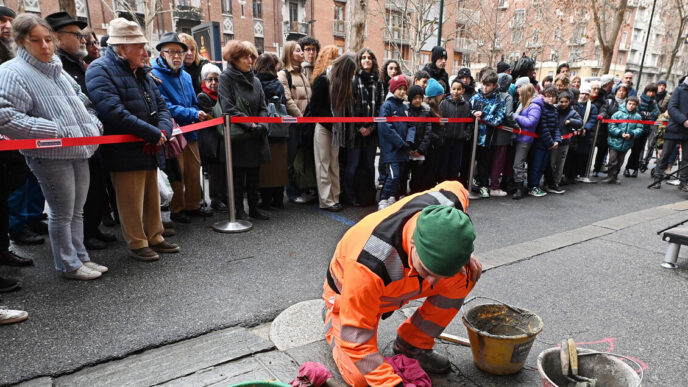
(161, 65)
(504, 81)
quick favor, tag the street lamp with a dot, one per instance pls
(647, 38)
(439, 30)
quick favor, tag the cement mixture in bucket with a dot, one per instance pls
(503, 320)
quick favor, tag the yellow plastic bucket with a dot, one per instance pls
(501, 336)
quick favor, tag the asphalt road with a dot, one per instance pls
(222, 280)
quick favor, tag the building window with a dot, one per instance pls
(260, 45)
(293, 12)
(554, 56)
(557, 33)
(338, 23)
(538, 14)
(536, 36)
(519, 18)
(226, 6)
(258, 9)
(425, 57)
(396, 25)
(227, 38)
(516, 35)
(621, 58)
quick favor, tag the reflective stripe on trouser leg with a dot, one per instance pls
(440, 307)
(349, 371)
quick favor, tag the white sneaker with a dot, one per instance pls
(300, 200)
(94, 266)
(11, 316)
(484, 192)
(83, 273)
(391, 200)
(497, 192)
(382, 204)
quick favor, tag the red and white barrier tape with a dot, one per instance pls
(42, 143)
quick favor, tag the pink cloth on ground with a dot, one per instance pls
(409, 370)
(311, 374)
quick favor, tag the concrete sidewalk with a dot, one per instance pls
(600, 284)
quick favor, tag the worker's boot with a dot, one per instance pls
(431, 361)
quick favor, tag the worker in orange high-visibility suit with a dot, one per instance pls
(420, 246)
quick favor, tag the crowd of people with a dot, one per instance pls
(57, 80)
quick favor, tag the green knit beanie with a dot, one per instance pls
(444, 238)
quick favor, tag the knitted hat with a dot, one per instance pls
(7, 12)
(661, 82)
(504, 81)
(437, 53)
(585, 88)
(606, 78)
(464, 72)
(502, 67)
(396, 82)
(444, 238)
(123, 31)
(433, 88)
(522, 81)
(415, 90)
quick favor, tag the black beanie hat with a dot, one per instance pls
(7, 12)
(437, 53)
(502, 67)
(414, 91)
(464, 72)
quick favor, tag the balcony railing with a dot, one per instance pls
(465, 45)
(185, 12)
(338, 28)
(398, 35)
(296, 27)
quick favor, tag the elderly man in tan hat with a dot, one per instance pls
(129, 102)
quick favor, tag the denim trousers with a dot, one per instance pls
(392, 184)
(65, 186)
(520, 158)
(538, 162)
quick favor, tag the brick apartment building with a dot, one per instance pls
(511, 28)
(475, 32)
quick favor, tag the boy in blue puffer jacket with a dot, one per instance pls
(488, 106)
(621, 137)
(649, 111)
(396, 140)
(569, 124)
(548, 138)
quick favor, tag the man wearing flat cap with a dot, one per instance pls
(129, 102)
(421, 246)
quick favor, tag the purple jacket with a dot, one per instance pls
(529, 118)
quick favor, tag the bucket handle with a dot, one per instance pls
(640, 368)
(515, 309)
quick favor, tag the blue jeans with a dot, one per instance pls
(393, 180)
(65, 186)
(26, 204)
(538, 162)
(360, 156)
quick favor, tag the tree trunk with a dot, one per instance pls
(356, 14)
(68, 6)
(607, 43)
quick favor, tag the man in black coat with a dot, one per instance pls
(71, 48)
(436, 67)
(676, 133)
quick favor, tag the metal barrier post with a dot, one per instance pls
(232, 225)
(471, 195)
(586, 178)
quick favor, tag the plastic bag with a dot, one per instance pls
(165, 189)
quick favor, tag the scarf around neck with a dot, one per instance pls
(211, 94)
